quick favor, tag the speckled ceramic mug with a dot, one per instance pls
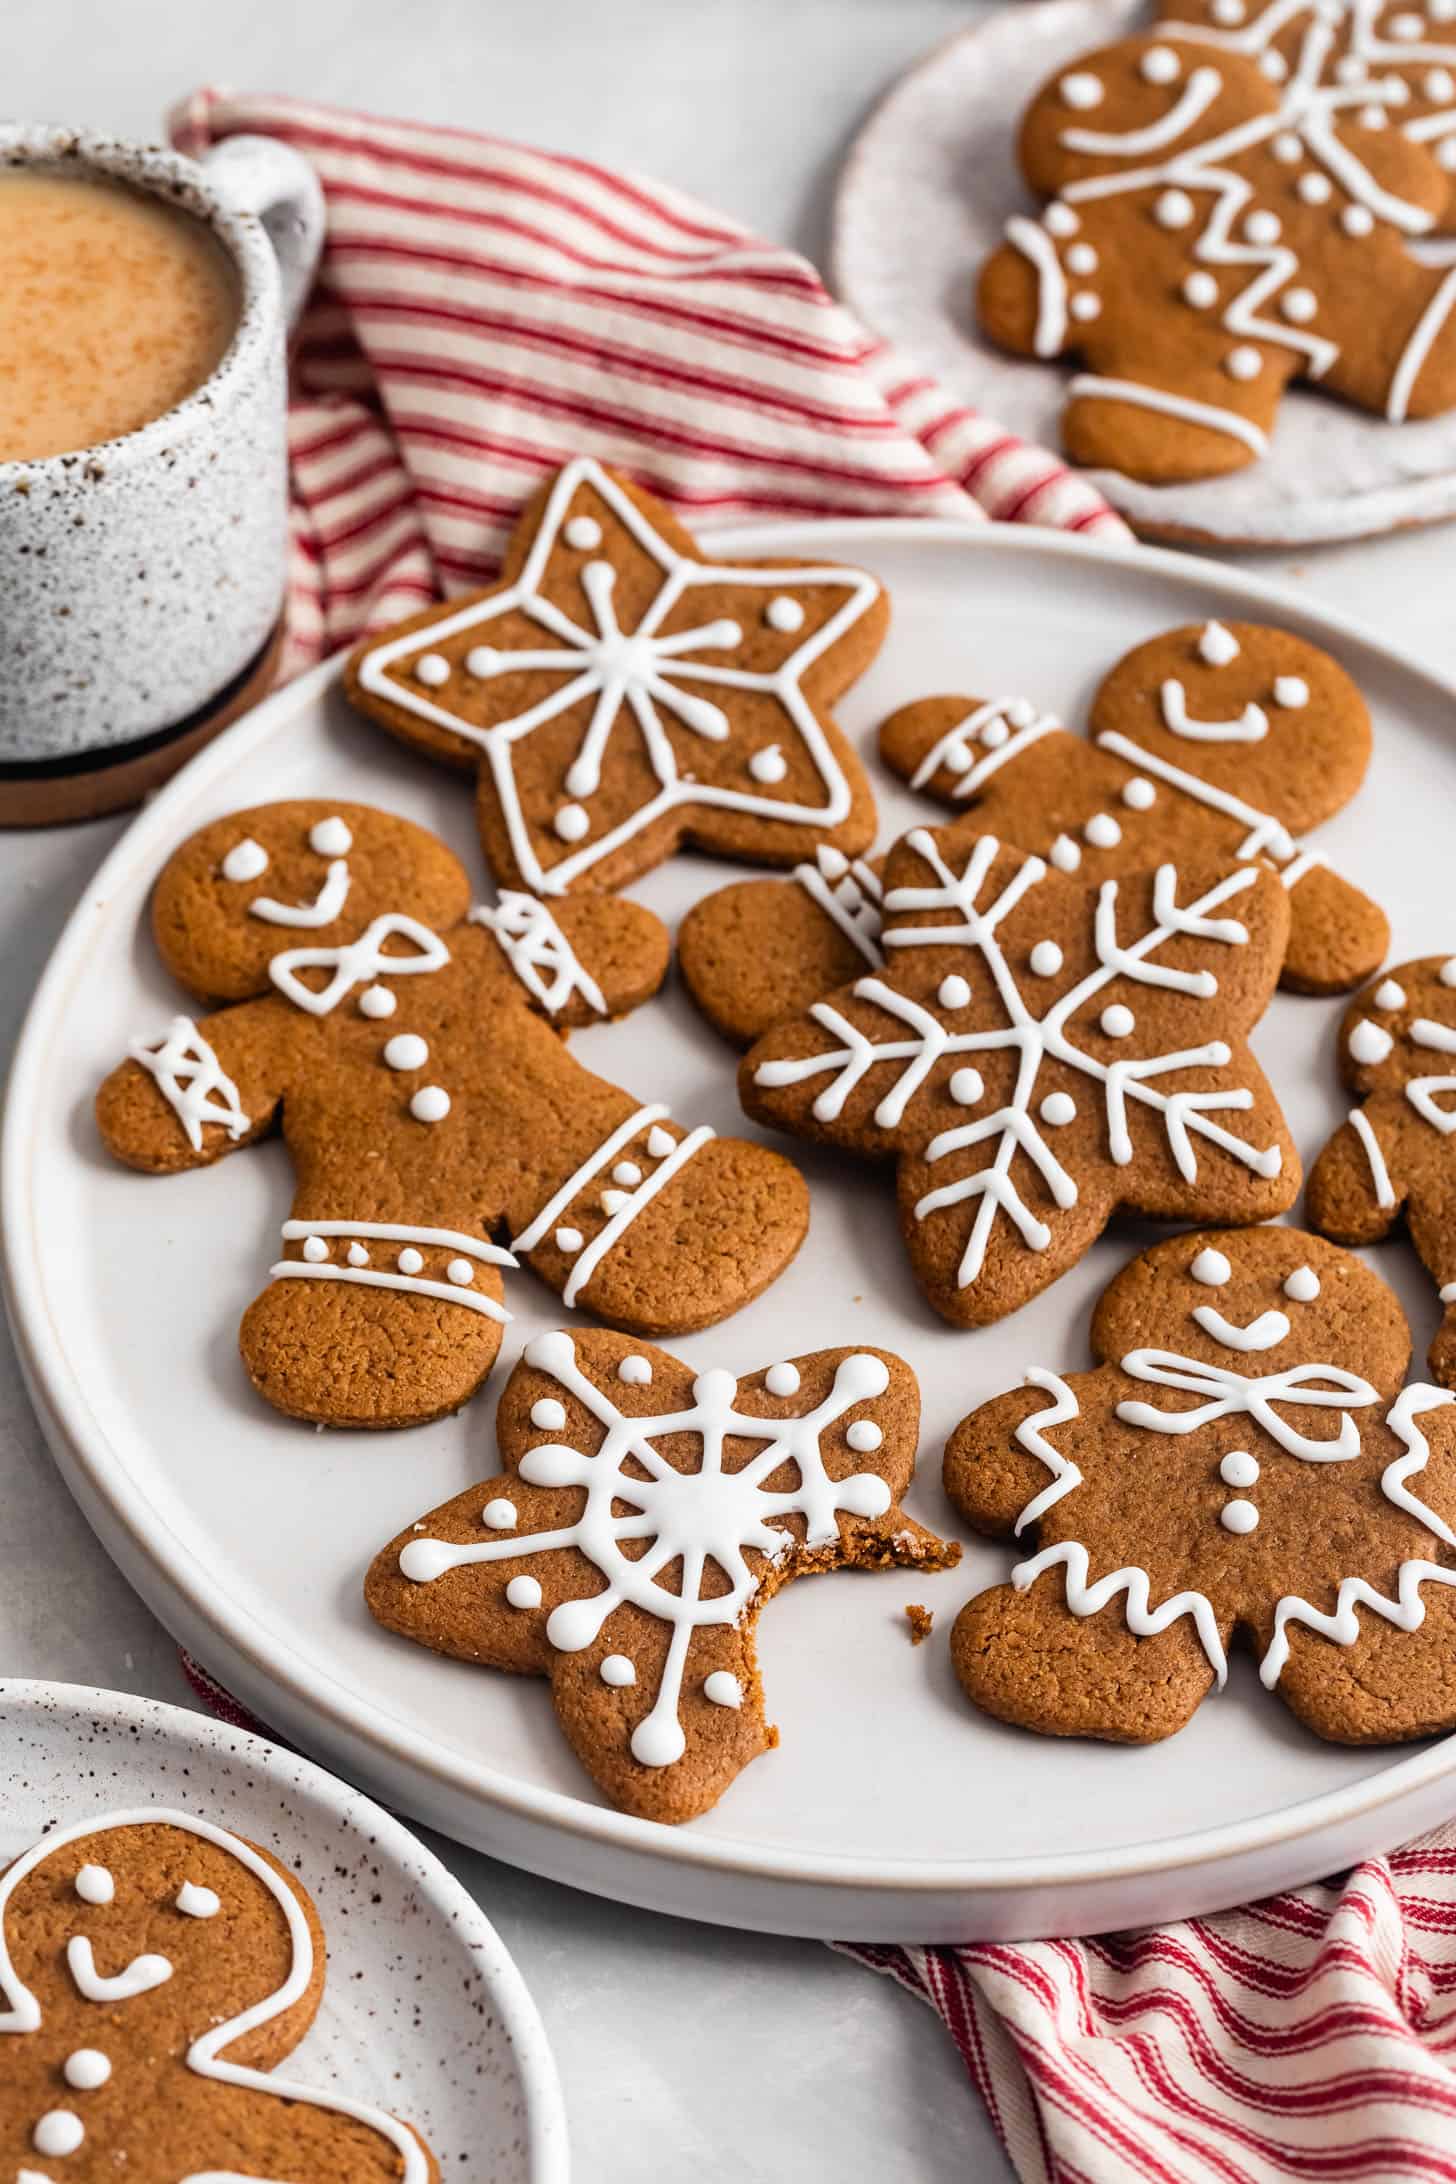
(141, 577)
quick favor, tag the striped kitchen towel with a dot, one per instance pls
(486, 311)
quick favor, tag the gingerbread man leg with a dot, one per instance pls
(1392, 1686)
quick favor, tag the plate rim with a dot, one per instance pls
(77, 1437)
(544, 2113)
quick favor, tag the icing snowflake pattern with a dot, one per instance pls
(917, 1037)
(646, 680)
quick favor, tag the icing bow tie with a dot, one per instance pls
(357, 961)
(1231, 1394)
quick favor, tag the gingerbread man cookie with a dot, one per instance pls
(1395, 1156)
(1212, 236)
(1039, 1053)
(1214, 740)
(1241, 1468)
(153, 1970)
(620, 694)
(645, 1516)
(412, 1049)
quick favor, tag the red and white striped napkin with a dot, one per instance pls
(485, 312)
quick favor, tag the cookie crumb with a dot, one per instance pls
(921, 1622)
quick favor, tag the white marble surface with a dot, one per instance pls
(666, 2034)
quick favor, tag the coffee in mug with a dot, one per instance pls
(117, 305)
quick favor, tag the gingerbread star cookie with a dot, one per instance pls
(1037, 1054)
(645, 1515)
(1214, 740)
(154, 1969)
(620, 694)
(1211, 236)
(1394, 1158)
(411, 1048)
(1242, 1468)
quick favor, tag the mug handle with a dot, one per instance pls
(268, 181)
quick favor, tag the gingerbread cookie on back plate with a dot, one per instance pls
(1211, 740)
(1241, 1468)
(412, 1051)
(1212, 236)
(619, 694)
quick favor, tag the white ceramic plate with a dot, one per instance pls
(891, 1809)
(423, 2011)
(924, 196)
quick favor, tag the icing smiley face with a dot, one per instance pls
(131, 2044)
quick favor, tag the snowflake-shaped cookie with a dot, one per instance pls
(1038, 1054)
(1241, 1468)
(645, 1516)
(620, 694)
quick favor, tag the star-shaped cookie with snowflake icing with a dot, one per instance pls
(645, 1515)
(1038, 1054)
(619, 694)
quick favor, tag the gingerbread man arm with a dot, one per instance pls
(1357, 1189)
(762, 950)
(579, 962)
(1337, 935)
(197, 1091)
(1005, 1453)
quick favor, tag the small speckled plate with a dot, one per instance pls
(423, 2010)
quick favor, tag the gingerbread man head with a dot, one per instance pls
(1212, 235)
(153, 1968)
(412, 1051)
(1241, 1468)
(620, 694)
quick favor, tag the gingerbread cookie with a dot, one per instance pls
(1395, 1157)
(1039, 1053)
(620, 694)
(412, 1049)
(1214, 740)
(1242, 1468)
(153, 1970)
(760, 950)
(728, 1489)
(1212, 236)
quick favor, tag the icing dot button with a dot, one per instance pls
(615, 1669)
(377, 1001)
(1160, 64)
(500, 1514)
(1243, 362)
(1291, 691)
(1357, 220)
(246, 860)
(93, 1884)
(482, 661)
(1273, 64)
(1439, 85)
(1102, 831)
(1065, 854)
(85, 2069)
(1081, 90)
(196, 1902)
(782, 1380)
(1298, 305)
(1303, 1285)
(864, 1435)
(1229, 13)
(1118, 1020)
(314, 1249)
(432, 669)
(954, 992)
(406, 1050)
(784, 613)
(461, 1272)
(1058, 1109)
(1085, 306)
(1239, 1516)
(634, 1371)
(1239, 1469)
(59, 2131)
(357, 1255)
(627, 1172)
(1081, 259)
(1211, 1268)
(1139, 794)
(1389, 995)
(548, 1414)
(1370, 1042)
(1046, 959)
(1059, 219)
(330, 838)
(1021, 712)
(571, 823)
(721, 1689)
(1287, 148)
(1315, 189)
(1173, 208)
(524, 1592)
(769, 764)
(966, 1086)
(583, 534)
(410, 1261)
(659, 1142)
(1262, 228)
(430, 1104)
(1201, 290)
(993, 735)
(568, 1239)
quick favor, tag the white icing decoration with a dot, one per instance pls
(1085, 306)
(1217, 646)
(1262, 228)
(1201, 291)
(1418, 347)
(1267, 836)
(966, 1086)
(1250, 726)
(1058, 1109)
(410, 1261)
(782, 1380)
(406, 1050)
(626, 1172)
(1288, 149)
(358, 1270)
(377, 1001)
(1244, 362)
(358, 1255)
(430, 1104)
(138, 1977)
(1174, 209)
(1160, 64)
(1117, 1020)
(94, 1884)
(583, 534)
(572, 822)
(522, 1592)
(671, 1154)
(548, 1414)
(1050, 334)
(849, 895)
(1389, 994)
(1291, 691)
(246, 860)
(1102, 831)
(722, 1689)
(698, 1517)
(1082, 259)
(784, 613)
(459, 1271)
(1364, 1130)
(651, 677)
(864, 1436)
(1142, 1618)
(1239, 1516)
(1315, 189)
(20, 2010)
(539, 953)
(432, 669)
(499, 1514)
(1264, 1333)
(357, 962)
(1081, 90)
(568, 1239)
(1239, 1469)
(1193, 101)
(84, 2069)
(1303, 1285)
(617, 1671)
(953, 750)
(315, 1249)
(327, 904)
(1046, 959)
(1299, 305)
(1034, 1038)
(1231, 1394)
(635, 1372)
(60, 2131)
(1139, 795)
(1059, 219)
(1211, 1268)
(196, 1902)
(954, 992)
(192, 1081)
(1448, 972)
(769, 764)
(1370, 1042)
(1085, 387)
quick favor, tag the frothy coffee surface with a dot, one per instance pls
(113, 306)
